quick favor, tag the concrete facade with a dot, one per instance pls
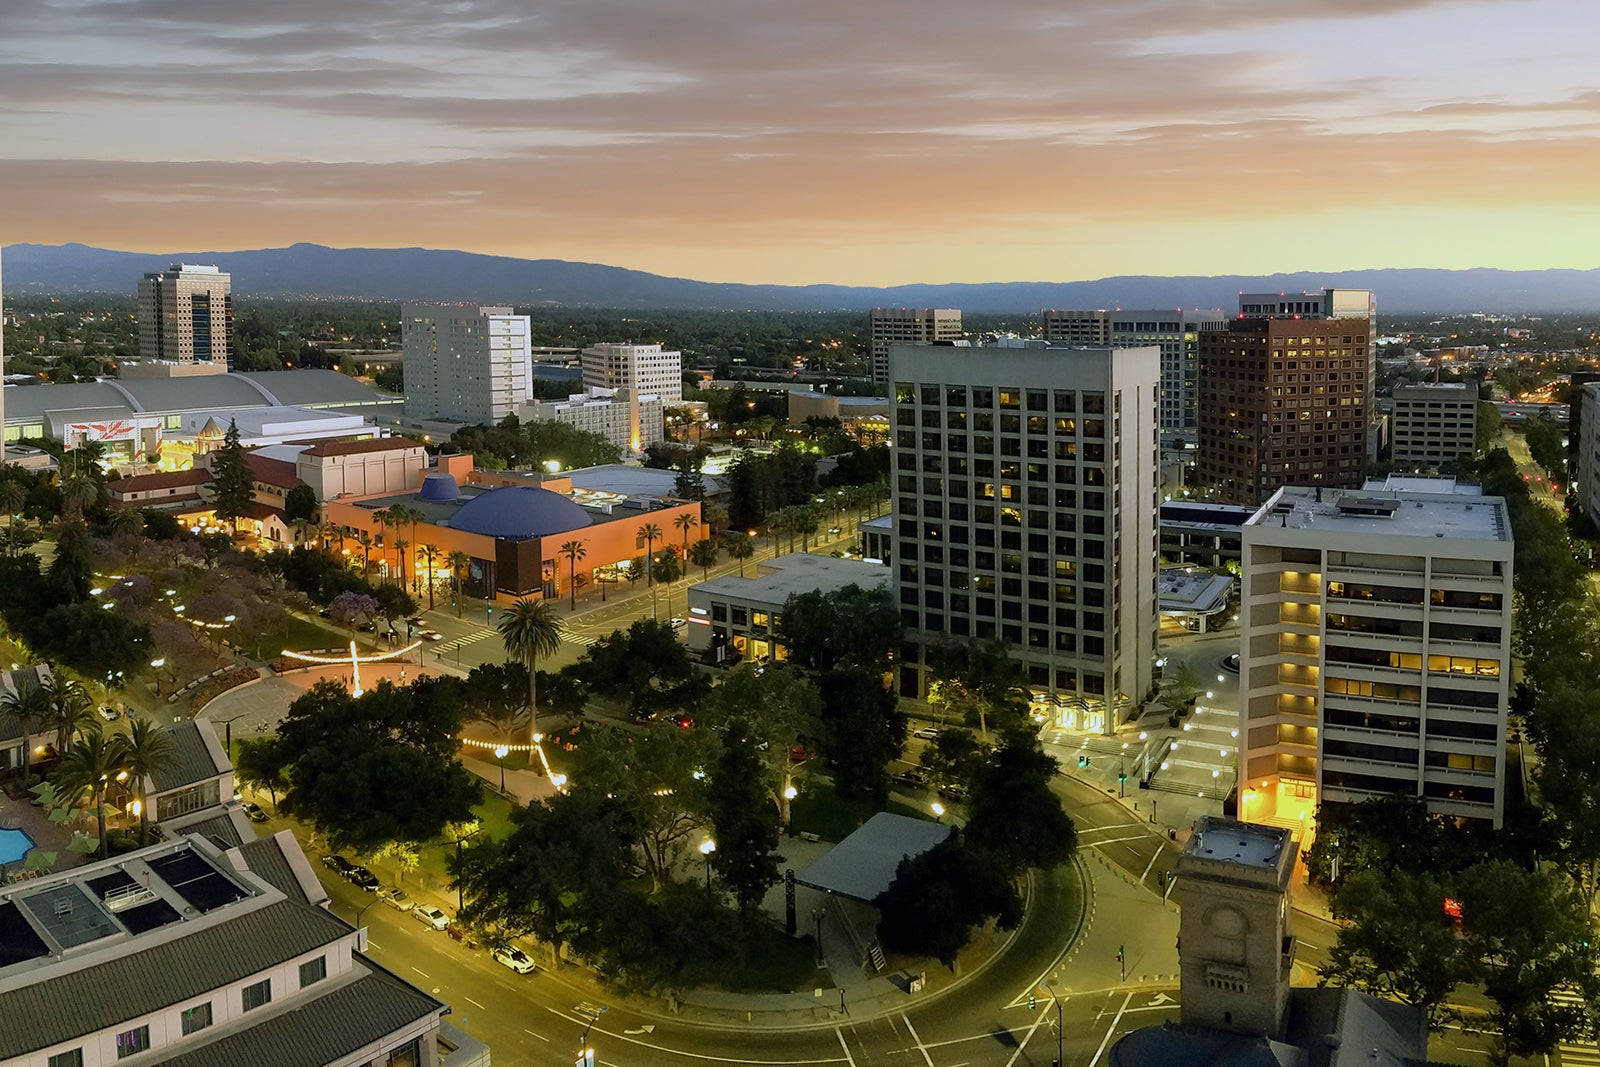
(186, 315)
(1175, 332)
(465, 363)
(629, 421)
(742, 614)
(888, 327)
(1434, 426)
(1025, 508)
(647, 370)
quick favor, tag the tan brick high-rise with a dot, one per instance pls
(1283, 401)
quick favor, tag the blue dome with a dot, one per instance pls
(440, 487)
(518, 512)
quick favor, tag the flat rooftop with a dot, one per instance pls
(798, 572)
(1198, 514)
(1183, 590)
(1391, 513)
(1421, 483)
(1243, 843)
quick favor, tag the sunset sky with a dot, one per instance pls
(852, 141)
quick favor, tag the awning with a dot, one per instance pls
(862, 865)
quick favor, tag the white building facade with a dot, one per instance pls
(629, 421)
(1434, 426)
(1375, 651)
(906, 326)
(648, 370)
(1025, 507)
(465, 363)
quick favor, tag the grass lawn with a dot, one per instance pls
(298, 635)
(772, 963)
(820, 810)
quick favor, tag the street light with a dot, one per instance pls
(938, 812)
(500, 753)
(707, 847)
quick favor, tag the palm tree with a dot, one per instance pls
(459, 562)
(79, 491)
(777, 522)
(90, 766)
(806, 522)
(651, 533)
(400, 546)
(686, 522)
(430, 553)
(30, 705)
(70, 708)
(302, 530)
(12, 498)
(126, 521)
(147, 750)
(531, 630)
(741, 548)
(704, 556)
(574, 550)
(364, 539)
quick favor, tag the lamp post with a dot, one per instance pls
(707, 847)
(938, 812)
(500, 753)
(1060, 1058)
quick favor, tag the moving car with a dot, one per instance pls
(432, 635)
(926, 733)
(253, 812)
(362, 878)
(337, 864)
(109, 714)
(430, 916)
(396, 899)
(677, 622)
(513, 957)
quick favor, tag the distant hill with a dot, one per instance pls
(308, 270)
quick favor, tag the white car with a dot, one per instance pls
(513, 957)
(396, 899)
(927, 733)
(430, 916)
(677, 622)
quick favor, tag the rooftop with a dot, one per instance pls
(270, 471)
(118, 398)
(146, 483)
(363, 447)
(863, 864)
(197, 756)
(627, 480)
(1243, 843)
(1199, 513)
(1421, 483)
(1193, 591)
(798, 572)
(1449, 514)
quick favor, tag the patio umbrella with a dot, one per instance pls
(38, 788)
(83, 843)
(38, 859)
(60, 815)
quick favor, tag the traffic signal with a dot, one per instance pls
(1083, 761)
(1033, 1001)
(1119, 953)
(1122, 776)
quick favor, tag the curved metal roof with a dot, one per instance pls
(518, 512)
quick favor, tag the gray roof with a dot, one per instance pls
(81, 1002)
(799, 572)
(224, 829)
(333, 1025)
(300, 388)
(265, 858)
(192, 760)
(863, 864)
(120, 398)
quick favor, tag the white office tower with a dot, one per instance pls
(888, 327)
(1175, 331)
(186, 315)
(1375, 650)
(644, 369)
(465, 363)
(1025, 507)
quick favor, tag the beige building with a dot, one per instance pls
(645, 369)
(186, 315)
(362, 468)
(1434, 426)
(1175, 332)
(907, 326)
(465, 363)
(629, 421)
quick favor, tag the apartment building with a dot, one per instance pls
(186, 315)
(629, 421)
(906, 326)
(648, 370)
(1025, 502)
(1434, 426)
(1375, 650)
(464, 363)
(1175, 332)
(1282, 401)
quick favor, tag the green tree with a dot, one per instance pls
(30, 706)
(645, 664)
(666, 567)
(703, 554)
(939, 898)
(649, 533)
(72, 568)
(846, 626)
(862, 731)
(70, 708)
(459, 562)
(778, 707)
(261, 763)
(574, 550)
(953, 759)
(658, 781)
(685, 523)
(1013, 815)
(981, 679)
(430, 553)
(232, 484)
(497, 695)
(300, 503)
(1488, 426)
(741, 548)
(147, 751)
(87, 769)
(744, 829)
(531, 631)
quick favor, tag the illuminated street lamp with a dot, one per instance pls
(938, 812)
(707, 847)
(500, 754)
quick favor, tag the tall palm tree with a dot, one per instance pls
(70, 708)
(459, 562)
(651, 534)
(741, 548)
(704, 555)
(381, 517)
(90, 766)
(31, 706)
(806, 522)
(78, 491)
(364, 539)
(430, 553)
(147, 750)
(574, 550)
(531, 630)
(302, 530)
(126, 521)
(686, 522)
(12, 498)
(401, 572)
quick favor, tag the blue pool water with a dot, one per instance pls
(14, 844)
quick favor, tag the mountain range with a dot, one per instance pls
(317, 271)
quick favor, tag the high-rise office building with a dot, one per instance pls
(1434, 426)
(1025, 504)
(1328, 304)
(1175, 332)
(465, 363)
(907, 326)
(186, 315)
(1282, 401)
(1375, 647)
(645, 369)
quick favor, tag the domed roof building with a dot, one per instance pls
(519, 512)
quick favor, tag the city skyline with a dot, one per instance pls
(790, 145)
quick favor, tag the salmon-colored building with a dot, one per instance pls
(512, 527)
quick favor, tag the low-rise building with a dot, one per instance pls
(877, 540)
(628, 420)
(39, 739)
(1434, 426)
(165, 490)
(196, 776)
(1205, 534)
(361, 468)
(732, 618)
(1193, 600)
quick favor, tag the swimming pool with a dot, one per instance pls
(14, 844)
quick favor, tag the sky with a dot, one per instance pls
(870, 142)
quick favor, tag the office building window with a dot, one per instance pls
(257, 995)
(132, 1042)
(197, 1017)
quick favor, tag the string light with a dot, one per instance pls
(376, 658)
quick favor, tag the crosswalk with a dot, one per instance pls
(1576, 1053)
(444, 647)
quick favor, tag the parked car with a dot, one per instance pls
(253, 812)
(926, 733)
(396, 899)
(362, 878)
(338, 864)
(366, 628)
(513, 957)
(914, 778)
(677, 622)
(415, 620)
(326, 613)
(109, 714)
(953, 791)
(430, 916)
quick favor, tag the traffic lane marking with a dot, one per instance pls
(698, 1055)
